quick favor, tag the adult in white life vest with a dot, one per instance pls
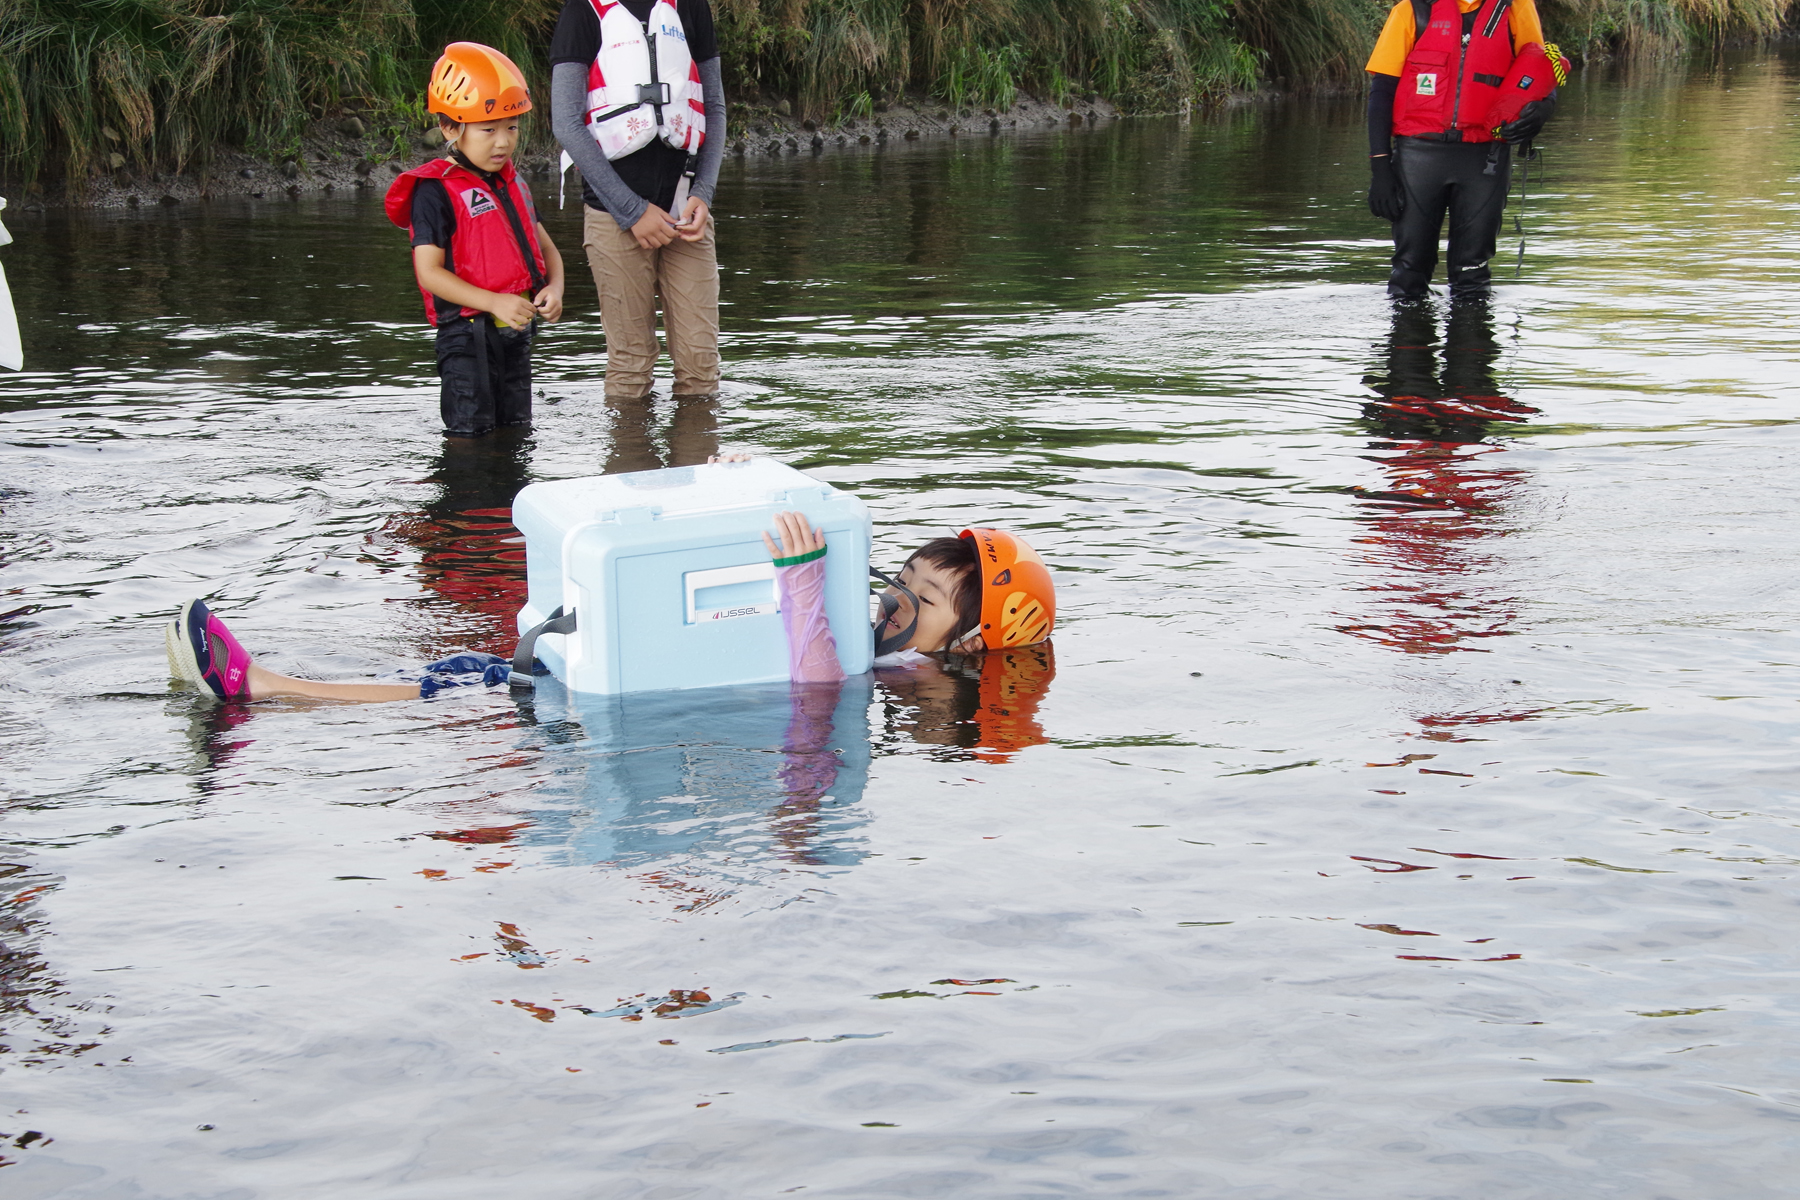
(644, 84)
(637, 101)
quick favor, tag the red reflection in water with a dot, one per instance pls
(690, 895)
(1462, 854)
(487, 835)
(1447, 492)
(474, 559)
(1444, 722)
(463, 546)
(1394, 866)
(1424, 533)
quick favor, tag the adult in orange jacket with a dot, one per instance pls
(1438, 77)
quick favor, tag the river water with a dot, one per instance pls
(1406, 809)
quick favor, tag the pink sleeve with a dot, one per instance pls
(812, 651)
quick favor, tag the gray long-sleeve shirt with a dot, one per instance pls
(568, 121)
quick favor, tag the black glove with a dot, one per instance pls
(1530, 121)
(1387, 199)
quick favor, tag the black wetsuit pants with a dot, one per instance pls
(1441, 177)
(486, 374)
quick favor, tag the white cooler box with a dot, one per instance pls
(669, 580)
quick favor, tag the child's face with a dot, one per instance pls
(936, 589)
(488, 144)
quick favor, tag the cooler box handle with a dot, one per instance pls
(520, 676)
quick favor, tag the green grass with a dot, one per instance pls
(159, 83)
(1638, 27)
(87, 86)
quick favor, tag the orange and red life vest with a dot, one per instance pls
(495, 245)
(1454, 74)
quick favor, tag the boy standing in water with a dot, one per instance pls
(637, 101)
(485, 265)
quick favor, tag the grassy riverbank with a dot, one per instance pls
(89, 87)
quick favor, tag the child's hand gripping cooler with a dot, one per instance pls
(798, 553)
(661, 580)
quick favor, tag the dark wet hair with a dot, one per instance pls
(957, 555)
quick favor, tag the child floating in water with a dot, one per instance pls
(944, 600)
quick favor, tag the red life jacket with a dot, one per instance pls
(1451, 78)
(492, 248)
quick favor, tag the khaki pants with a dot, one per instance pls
(630, 280)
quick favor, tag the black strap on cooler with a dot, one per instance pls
(557, 622)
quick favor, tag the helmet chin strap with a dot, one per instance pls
(960, 645)
(889, 606)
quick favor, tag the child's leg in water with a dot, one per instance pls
(204, 652)
(266, 684)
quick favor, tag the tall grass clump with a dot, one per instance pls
(1149, 53)
(1648, 27)
(88, 85)
(160, 83)
(519, 29)
(817, 51)
(1310, 40)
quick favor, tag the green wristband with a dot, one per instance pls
(797, 559)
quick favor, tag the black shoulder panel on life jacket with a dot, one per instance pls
(1421, 17)
(1494, 17)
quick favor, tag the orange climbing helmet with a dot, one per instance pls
(472, 82)
(1018, 601)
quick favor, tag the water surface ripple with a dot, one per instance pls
(1401, 812)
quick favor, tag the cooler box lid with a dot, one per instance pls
(675, 492)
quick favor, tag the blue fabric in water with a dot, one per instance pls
(464, 670)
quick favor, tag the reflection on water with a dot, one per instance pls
(692, 435)
(980, 708)
(38, 1029)
(1237, 905)
(1446, 492)
(724, 779)
(215, 733)
(463, 546)
(730, 777)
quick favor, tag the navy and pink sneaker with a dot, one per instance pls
(203, 652)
